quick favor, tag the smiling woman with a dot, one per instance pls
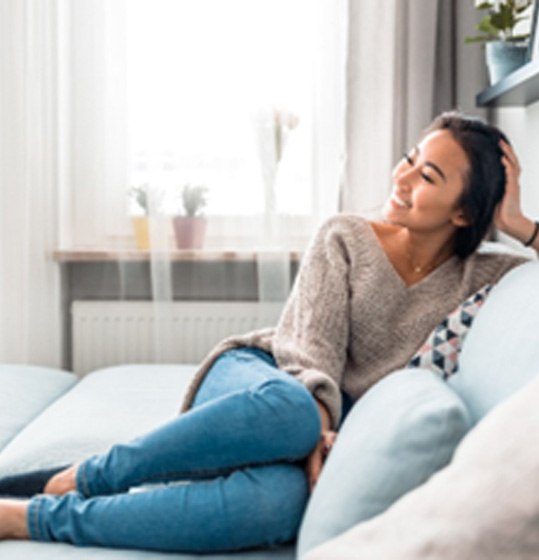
(462, 157)
(365, 299)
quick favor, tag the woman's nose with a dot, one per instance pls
(404, 178)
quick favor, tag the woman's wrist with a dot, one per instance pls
(521, 229)
(532, 240)
(325, 417)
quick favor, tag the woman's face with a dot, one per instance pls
(427, 184)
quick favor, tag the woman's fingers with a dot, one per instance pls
(511, 156)
(328, 437)
(509, 217)
(316, 459)
(314, 465)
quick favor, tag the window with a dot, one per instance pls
(203, 92)
(218, 92)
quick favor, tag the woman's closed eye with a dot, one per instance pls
(410, 162)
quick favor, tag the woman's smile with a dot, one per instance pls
(398, 202)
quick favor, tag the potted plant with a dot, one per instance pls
(505, 50)
(190, 225)
(140, 200)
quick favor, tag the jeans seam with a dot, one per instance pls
(34, 529)
(82, 481)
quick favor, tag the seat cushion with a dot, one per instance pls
(396, 436)
(484, 505)
(106, 407)
(501, 351)
(25, 392)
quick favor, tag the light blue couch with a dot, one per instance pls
(402, 431)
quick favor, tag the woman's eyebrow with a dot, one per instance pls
(433, 165)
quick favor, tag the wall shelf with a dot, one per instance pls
(518, 89)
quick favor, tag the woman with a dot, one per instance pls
(264, 409)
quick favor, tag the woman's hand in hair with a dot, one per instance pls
(509, 217)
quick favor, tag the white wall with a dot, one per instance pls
(521, 124)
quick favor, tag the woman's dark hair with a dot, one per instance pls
(484, 184)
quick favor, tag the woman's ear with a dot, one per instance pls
(459, 218)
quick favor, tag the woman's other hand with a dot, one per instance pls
(318, 456)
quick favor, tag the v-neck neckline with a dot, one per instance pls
(395, 273)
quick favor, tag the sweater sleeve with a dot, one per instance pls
(311, 337)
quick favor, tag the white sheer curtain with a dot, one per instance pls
(67, 145)
(31, 181)
(95, 103)
(391, 86)
(171, 91)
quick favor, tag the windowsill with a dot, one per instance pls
(134, 255)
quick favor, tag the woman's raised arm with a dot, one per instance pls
(509, 216)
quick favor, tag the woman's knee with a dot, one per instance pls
(293, 409)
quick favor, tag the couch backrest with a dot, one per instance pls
(501, 352)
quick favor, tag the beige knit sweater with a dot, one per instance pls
(351, 319)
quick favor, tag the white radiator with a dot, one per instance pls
(107, 333)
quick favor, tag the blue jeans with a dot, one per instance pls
(231, 471)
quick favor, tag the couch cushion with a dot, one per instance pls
(105, 407)
(25, 391)
(400, 432)
(501, 351)
(484, 505)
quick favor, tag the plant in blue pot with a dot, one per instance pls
(506, 50)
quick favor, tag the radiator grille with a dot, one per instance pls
(108, 333)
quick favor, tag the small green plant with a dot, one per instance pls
(139, 194)
(500, 21)
(193, 198)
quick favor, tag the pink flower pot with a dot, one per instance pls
(189, 232)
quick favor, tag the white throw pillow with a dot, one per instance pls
(483, 506)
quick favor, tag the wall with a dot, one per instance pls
(521, 124)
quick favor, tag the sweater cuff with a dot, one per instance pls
(325, 390)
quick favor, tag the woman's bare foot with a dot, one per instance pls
(63, 482)
(13, 519)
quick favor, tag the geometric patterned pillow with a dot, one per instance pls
(441, 349)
